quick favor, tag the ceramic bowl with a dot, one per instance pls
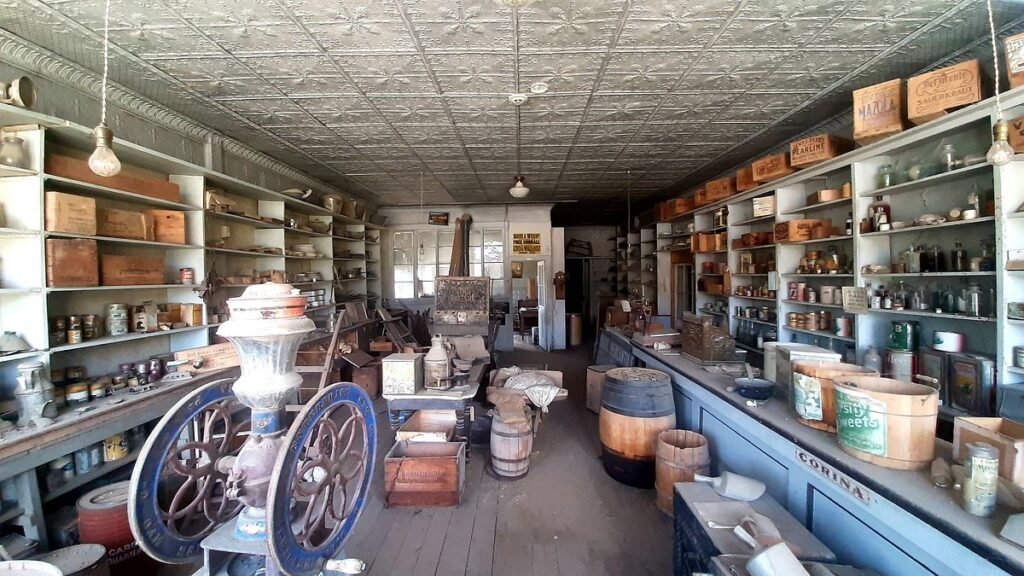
(929, 219)
(901, 224)
(755, 388)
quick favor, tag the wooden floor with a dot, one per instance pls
(566, 517)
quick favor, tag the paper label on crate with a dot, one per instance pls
(861, 422)
(855, 300)
(807, 396)
(1015, 54)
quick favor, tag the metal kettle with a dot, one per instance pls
(34, 395)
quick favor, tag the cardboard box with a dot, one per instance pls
(763, 206)
(720, 188)
(403, 374)
(70, 213)
(422, 474)
(745, 179)
(1005, 435)
(797, 230)
(168, 226)
(368, 378)
(878, 111)
(76, 169)
(816, 149)
(72, 263)
(1014, 46)
(428, 426)
(824, 195)
(932, 94)
(772, 167)
(595, 381)
(191, 314)
(123, 224)
(117, 270)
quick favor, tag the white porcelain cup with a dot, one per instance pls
(775, 560)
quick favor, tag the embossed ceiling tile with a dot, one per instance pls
(644, 72)
(340, 110)
(620, 108)
(563, 72)
(662, 23)
(258, 38)
(607, 132)
(903, 9)
(550, 134)
(357, 15)
(357, 167)
(244, 17)
(406, 110)
(388, 73)
(646, 151)
(473, 73)
(308, 134)
(366, 134)
(488, 135)
(779, 27)
(879, 30)
(579, 24)
(547, 108)
(428, 135)
(462, 25)
(533, 167)
(388, 153)
(586, 165)
(429, 154)
(733, 70)
(607, 152)
(269, 112)
(662, 134)
(341, 36)
(544, 153)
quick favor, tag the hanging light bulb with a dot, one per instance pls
(1000, 152)
(103, 161)
(519, 190)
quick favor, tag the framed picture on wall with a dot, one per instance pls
(438, 218)
(517, 269)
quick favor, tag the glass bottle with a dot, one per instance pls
(873, 360)
(849, 224)
(938, 259)
(832, 260)
(886, 299)
(950, 300)
(961, 301)
(911, 260)
(947, 158)
(959, 259)
(988, 262)
(881, 212)
(886, 176)
(927, 265)
(900, 298)
(973, 297)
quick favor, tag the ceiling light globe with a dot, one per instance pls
(1000, 153)
(103, 161)
(519, 190)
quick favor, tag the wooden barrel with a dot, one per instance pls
(636, 406)
(511, 444)
(575, 329)
(814, 396)
(680, 455)
(887, 422)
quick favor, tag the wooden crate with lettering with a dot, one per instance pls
(462, 300)
(421, 474)
(932, 94)
(720, 188)
(72, 263)
(1016, 134)
(878, 111)
(1014, 46)
(129, 224)
(816, 149)
(745, 179)
(772, 167)
(118, 270)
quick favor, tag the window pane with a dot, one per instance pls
(403, 257)
(476, 269)
(443, 270)
(428, 255)
(427, 238)
(475, 238)
(444, 255)
(497, 288)
(403, 290)
(403, 274)
(493, 253)
(403, 240)
(446, 238)
(425, 272)
(495, 271)
(426, 289)
(494, 236)
(476, 254)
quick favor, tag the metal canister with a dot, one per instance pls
(801, 291)
(115, 448)
(60, 399)
(141, 367)
(58, 376)
(824, 320)
(117, 319)
(82, 463)
(74, 331)
(77, 394)
(828, 294)
(97, 390)
(64, 467)
(58, 330)
(155, 364)
(90, 330)
(58, 323)
(905, 335)
(981, 478)
(900, 365)
(1018, 356)
(843, 326)
(74, 374)
(118, 382)
(96, 454)
(812, 296)
(187, 275)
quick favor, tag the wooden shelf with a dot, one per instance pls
(924, 314)
(817, 241)
(822, 333)
(128, 241)
(15, 172)
(19, 291)
(751, 275)
(16, 233)
(796, 275)
(812, 304)
(97, 472)
(20, 355)
(754, 248)
(115, 194)
(749, 348)
(758, 298)
(943, 178)
(243, 252)
(712, 252)
(757, 220)
(818, 206)
(107, 340)
(11, 514)
(928, 274)
(756, 321)
(254, 222)
(138, 287)
(713, 312)
(972, 222)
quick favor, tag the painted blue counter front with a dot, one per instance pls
(894, 522)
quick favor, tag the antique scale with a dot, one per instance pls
(225, 478)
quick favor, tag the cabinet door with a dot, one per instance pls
(684, 409)
(853, 542)
(731, 451)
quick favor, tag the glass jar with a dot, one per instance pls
(911, 260)
(988, 261)
(959, 259)
(947, 158)
(886, 176)
(881, 214)
(900, 298)
(938, 259)
(13, 153)
(973, 299)
(832, 263)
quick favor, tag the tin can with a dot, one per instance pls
(843, 326)
(58, 376)
(824, 320)
(115, 448)
(89, 328)
(187, 275)
(64, 467)
(74, 336)
(155, 364)
(96, 454)
(82, 463)
(801, 291)
(119, 382)
(1018, 356)
(981, 478)
(58, 323)
(827, 294)
(74, 374)
(812, 296)
(117, 320)
(141, 367)
(900, 365)
(905, 335)
(76, 394)
(791, 289)
(60, 400)
(97, 390)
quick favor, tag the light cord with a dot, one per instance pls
(995, 58)
(106, 58)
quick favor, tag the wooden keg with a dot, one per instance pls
(680, 455)
(511, 444)
(814, 390)
(887, 422)
(636, 406)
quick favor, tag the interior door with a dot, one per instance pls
(684, 299)
(542, 308)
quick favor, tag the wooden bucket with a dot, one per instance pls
(887, 422)
(636, 406)
(680, 455)
(814, 396)
(511, 444)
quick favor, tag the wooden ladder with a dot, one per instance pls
(327, 366)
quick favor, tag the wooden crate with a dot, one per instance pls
(932, 94)
(816, 149)
(421, 474)
(745, 179)
(76, 169)
(700, 198)
(720, 188)
(797, 230)
(168, 226)
(70, 213)
(117, 270)
(71, 263)
(763, 206)
(368, 378)
(1006, 435)
(428, 426)
(878, 111)
(772, 167)
(679, 206)
(1016, 134)
(124, 224)
(191, 314)
(1014, 46)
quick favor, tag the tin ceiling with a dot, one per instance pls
(369, 94)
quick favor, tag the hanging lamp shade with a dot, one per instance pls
(519, 190)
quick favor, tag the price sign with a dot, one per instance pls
(855, 300)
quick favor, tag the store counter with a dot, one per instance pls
(891, 521)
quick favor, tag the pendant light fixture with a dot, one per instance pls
(519, 190)
(103, 161)
(1000, 152)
